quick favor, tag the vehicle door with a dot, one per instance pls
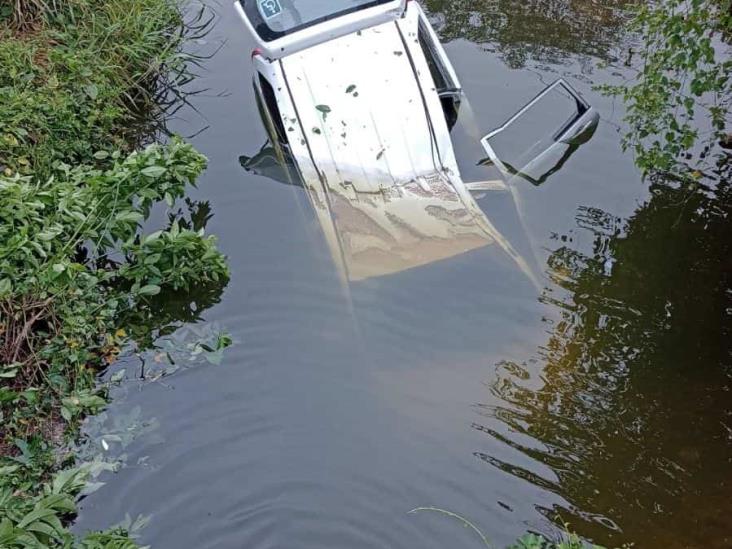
(539, 139)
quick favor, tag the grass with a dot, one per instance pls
(84, 86)
(96, 76)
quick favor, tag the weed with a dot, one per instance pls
(568, 540)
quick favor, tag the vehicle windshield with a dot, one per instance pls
(273, 19)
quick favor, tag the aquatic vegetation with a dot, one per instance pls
(534, 541)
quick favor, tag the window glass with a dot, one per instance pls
(270, 101)
(273, 19)
(438, 72)
(528, 146)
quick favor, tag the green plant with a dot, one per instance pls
(96, 76)
(65, 289)
(83, 85)
(38, 521)
(569, 541)
(678, 105)
(61, 293)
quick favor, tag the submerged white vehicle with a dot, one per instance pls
(358, 98)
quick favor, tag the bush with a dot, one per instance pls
(37, 522)
(95, 77)
(83, 85)
(62, 295)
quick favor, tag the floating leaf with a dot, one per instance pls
(118, 376)
(324, 110)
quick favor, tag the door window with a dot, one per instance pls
(539, 139)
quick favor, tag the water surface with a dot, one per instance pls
(600, 397)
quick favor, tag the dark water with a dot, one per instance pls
(603, 398)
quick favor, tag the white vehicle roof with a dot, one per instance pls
(362, 109)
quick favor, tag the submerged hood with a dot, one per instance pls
(411, 225)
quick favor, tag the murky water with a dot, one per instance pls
(602, 397)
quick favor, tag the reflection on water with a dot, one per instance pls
(162, 314)
(633, 417)
(546, 31)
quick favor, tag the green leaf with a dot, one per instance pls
(118, 376)
(42, 528)
(50, 233)
(92, 91)
(130, 216)
(66, 413)
(6, 529)
(8, 469)
(153, 171)
(35, 515)
(66, 480)
(7, 395)
(5, 286)
(152, 237)
(150, 289)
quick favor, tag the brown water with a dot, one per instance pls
(603, 398)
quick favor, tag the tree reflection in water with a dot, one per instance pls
(634, 413)
(547, 31)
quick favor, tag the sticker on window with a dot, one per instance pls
(269, 8)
